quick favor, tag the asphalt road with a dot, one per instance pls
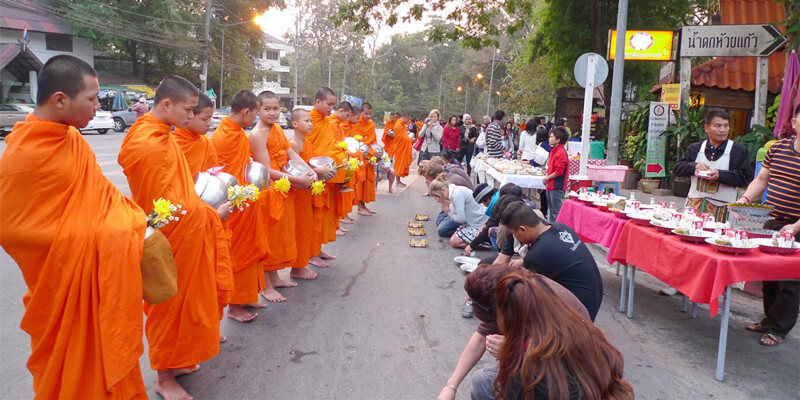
(383, 322)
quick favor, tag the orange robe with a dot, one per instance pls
(402, 147)
(78, 242)
(388, 142)
(249, 227)
(344, 201)
(419, 125)
(283, 247)
(183, 331)
(321, 141)
(199, 152)
(365, 191)
(308, 218)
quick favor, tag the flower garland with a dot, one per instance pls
(317, 187)
(352, 164)
(240, 196)
(282, 185)
(163, 213)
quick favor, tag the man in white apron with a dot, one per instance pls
(717, 166)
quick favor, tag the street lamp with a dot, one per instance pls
(478, 76)
(259, 20)
(459, 89)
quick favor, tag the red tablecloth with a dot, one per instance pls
(697, 270)
(593, 225)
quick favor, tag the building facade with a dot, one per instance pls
(277, 73)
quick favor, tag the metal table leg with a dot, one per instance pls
(683, 303)
(631, 288)
(617, 264)
(622, 288)
(723, 333)
(694, 310)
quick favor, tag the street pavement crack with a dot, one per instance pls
(362, 271)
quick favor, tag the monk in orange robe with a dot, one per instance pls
(183, 331)
(192, 138)
(340, 122)
(365, 191)
(360, 173)
(271, 147)
(308, 218)
(388, 135)
(321, 141)
(249, 227)
(78, 242)
(419, 125)
(402, 147)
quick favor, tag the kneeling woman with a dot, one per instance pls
(461, 207)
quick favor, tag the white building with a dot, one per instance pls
(277, 76)
(48, 36)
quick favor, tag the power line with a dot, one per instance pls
(172, 21)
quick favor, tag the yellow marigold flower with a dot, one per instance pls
(282, 185)
(358, 137)
(342, 145)
(317, 187)
(161, 206)
(373, 159)
(352, 164)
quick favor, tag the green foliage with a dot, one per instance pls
(636, 150)
(639, 118)
(772, 112)
(754, 140)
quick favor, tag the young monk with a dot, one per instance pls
(78, 242)
(249, 227)
(192, 138)
(389, 135)
(360, 174)
(340, 122)
(402, 148)
(321, 141)
(270, 147)
(365, 191)
(308, 218)
(183, 331)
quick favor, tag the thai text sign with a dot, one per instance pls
(671, 93)
(730, 40)
(643, 45)
(655, 162)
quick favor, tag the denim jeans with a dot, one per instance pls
(446, 226)
(554, 199)
(483, 382)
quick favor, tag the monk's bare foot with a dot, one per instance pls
(184, 371)
(348, 220)
(273, 296)
(169, 388)
(341, 232)
(303, 273)
(318, 262)
(282, 283)
(364, 213)
(237, 313)
(343, 229)
(257, 304)
(223, 338)
(325, 256)
(401, 184)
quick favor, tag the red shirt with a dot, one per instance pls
(451, 138)
(558, 163)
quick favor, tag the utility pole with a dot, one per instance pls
(344, 72)
(221, 66)
(466, 97)
(439, 97)
(329, 72)
(617, 83)
(491, 81)
(206, 47)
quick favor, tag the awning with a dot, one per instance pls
(211, 95)
(17, 61)
(119, 88)
(144, 89)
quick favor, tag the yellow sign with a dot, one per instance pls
(643, 45)
(671, 93)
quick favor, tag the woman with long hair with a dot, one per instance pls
(461, 208)
(451, 136)
(431, 134)
(550, 350)
(527, 142)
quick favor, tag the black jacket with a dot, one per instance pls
(739, 174)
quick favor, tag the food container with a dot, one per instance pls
(364, 149)
(322, 162)
(607, 173)
(257, 174)
(766, 246)
(639, 218)
(663, 226)
(421, 217)
(731, 249)
(229, 179)
(296, 168)
(352, 144)
(693, 239)
(211, 189)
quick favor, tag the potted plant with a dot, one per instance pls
(687, 129)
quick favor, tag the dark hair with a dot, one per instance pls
(716, 113)
(450, 155)
(519, 214)
(203, 102)
(244, 99)
(511, 188)
(266, 95)
(297, 112)
(323, 93)
(175, 88)
(62, 74)
(451, 119)
(541, 134)
(560, 121)
(499, 115)
(366, 106)
(345, 105)
(530, 126)
(561, 134)
(356, 110)
(481, 287)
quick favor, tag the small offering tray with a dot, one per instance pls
(417, 242)
(415, 225)
(731, 249)
(416, 232)
(766, 246)
(421, 217)
(693, 239)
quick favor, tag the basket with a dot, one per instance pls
(607, 173)
(748, 218)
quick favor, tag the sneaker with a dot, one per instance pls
(466, 312)
(670, 291)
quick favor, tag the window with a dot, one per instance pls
(272, 55)
(57, 42)
(269, 77)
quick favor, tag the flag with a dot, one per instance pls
(25, 35)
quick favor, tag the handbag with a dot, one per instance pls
(159, 274)
(418, 143)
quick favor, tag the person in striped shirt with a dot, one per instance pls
(494, 136)
(780, 176)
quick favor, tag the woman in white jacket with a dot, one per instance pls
(431, 133)
(461, 207)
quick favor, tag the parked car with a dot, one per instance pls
(283, 121)
(219, 114)
(102, 122)
(123, 119)
(10, 114)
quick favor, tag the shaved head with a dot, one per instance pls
(267, 95)
(345, 106)
(62, 74)
(323, 93)
(203, 102)
(175, 88)
(299, 114)
(244, 99)
(366, 106)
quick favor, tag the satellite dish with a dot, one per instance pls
(597, 62)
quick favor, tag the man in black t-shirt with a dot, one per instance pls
(558, 253)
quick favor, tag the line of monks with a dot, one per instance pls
(79, 241)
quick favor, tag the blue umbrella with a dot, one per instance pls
(119, 102)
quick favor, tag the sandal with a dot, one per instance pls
(769, 340)
(759, 327)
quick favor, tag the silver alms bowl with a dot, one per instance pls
(211, 189)
(257, 174)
